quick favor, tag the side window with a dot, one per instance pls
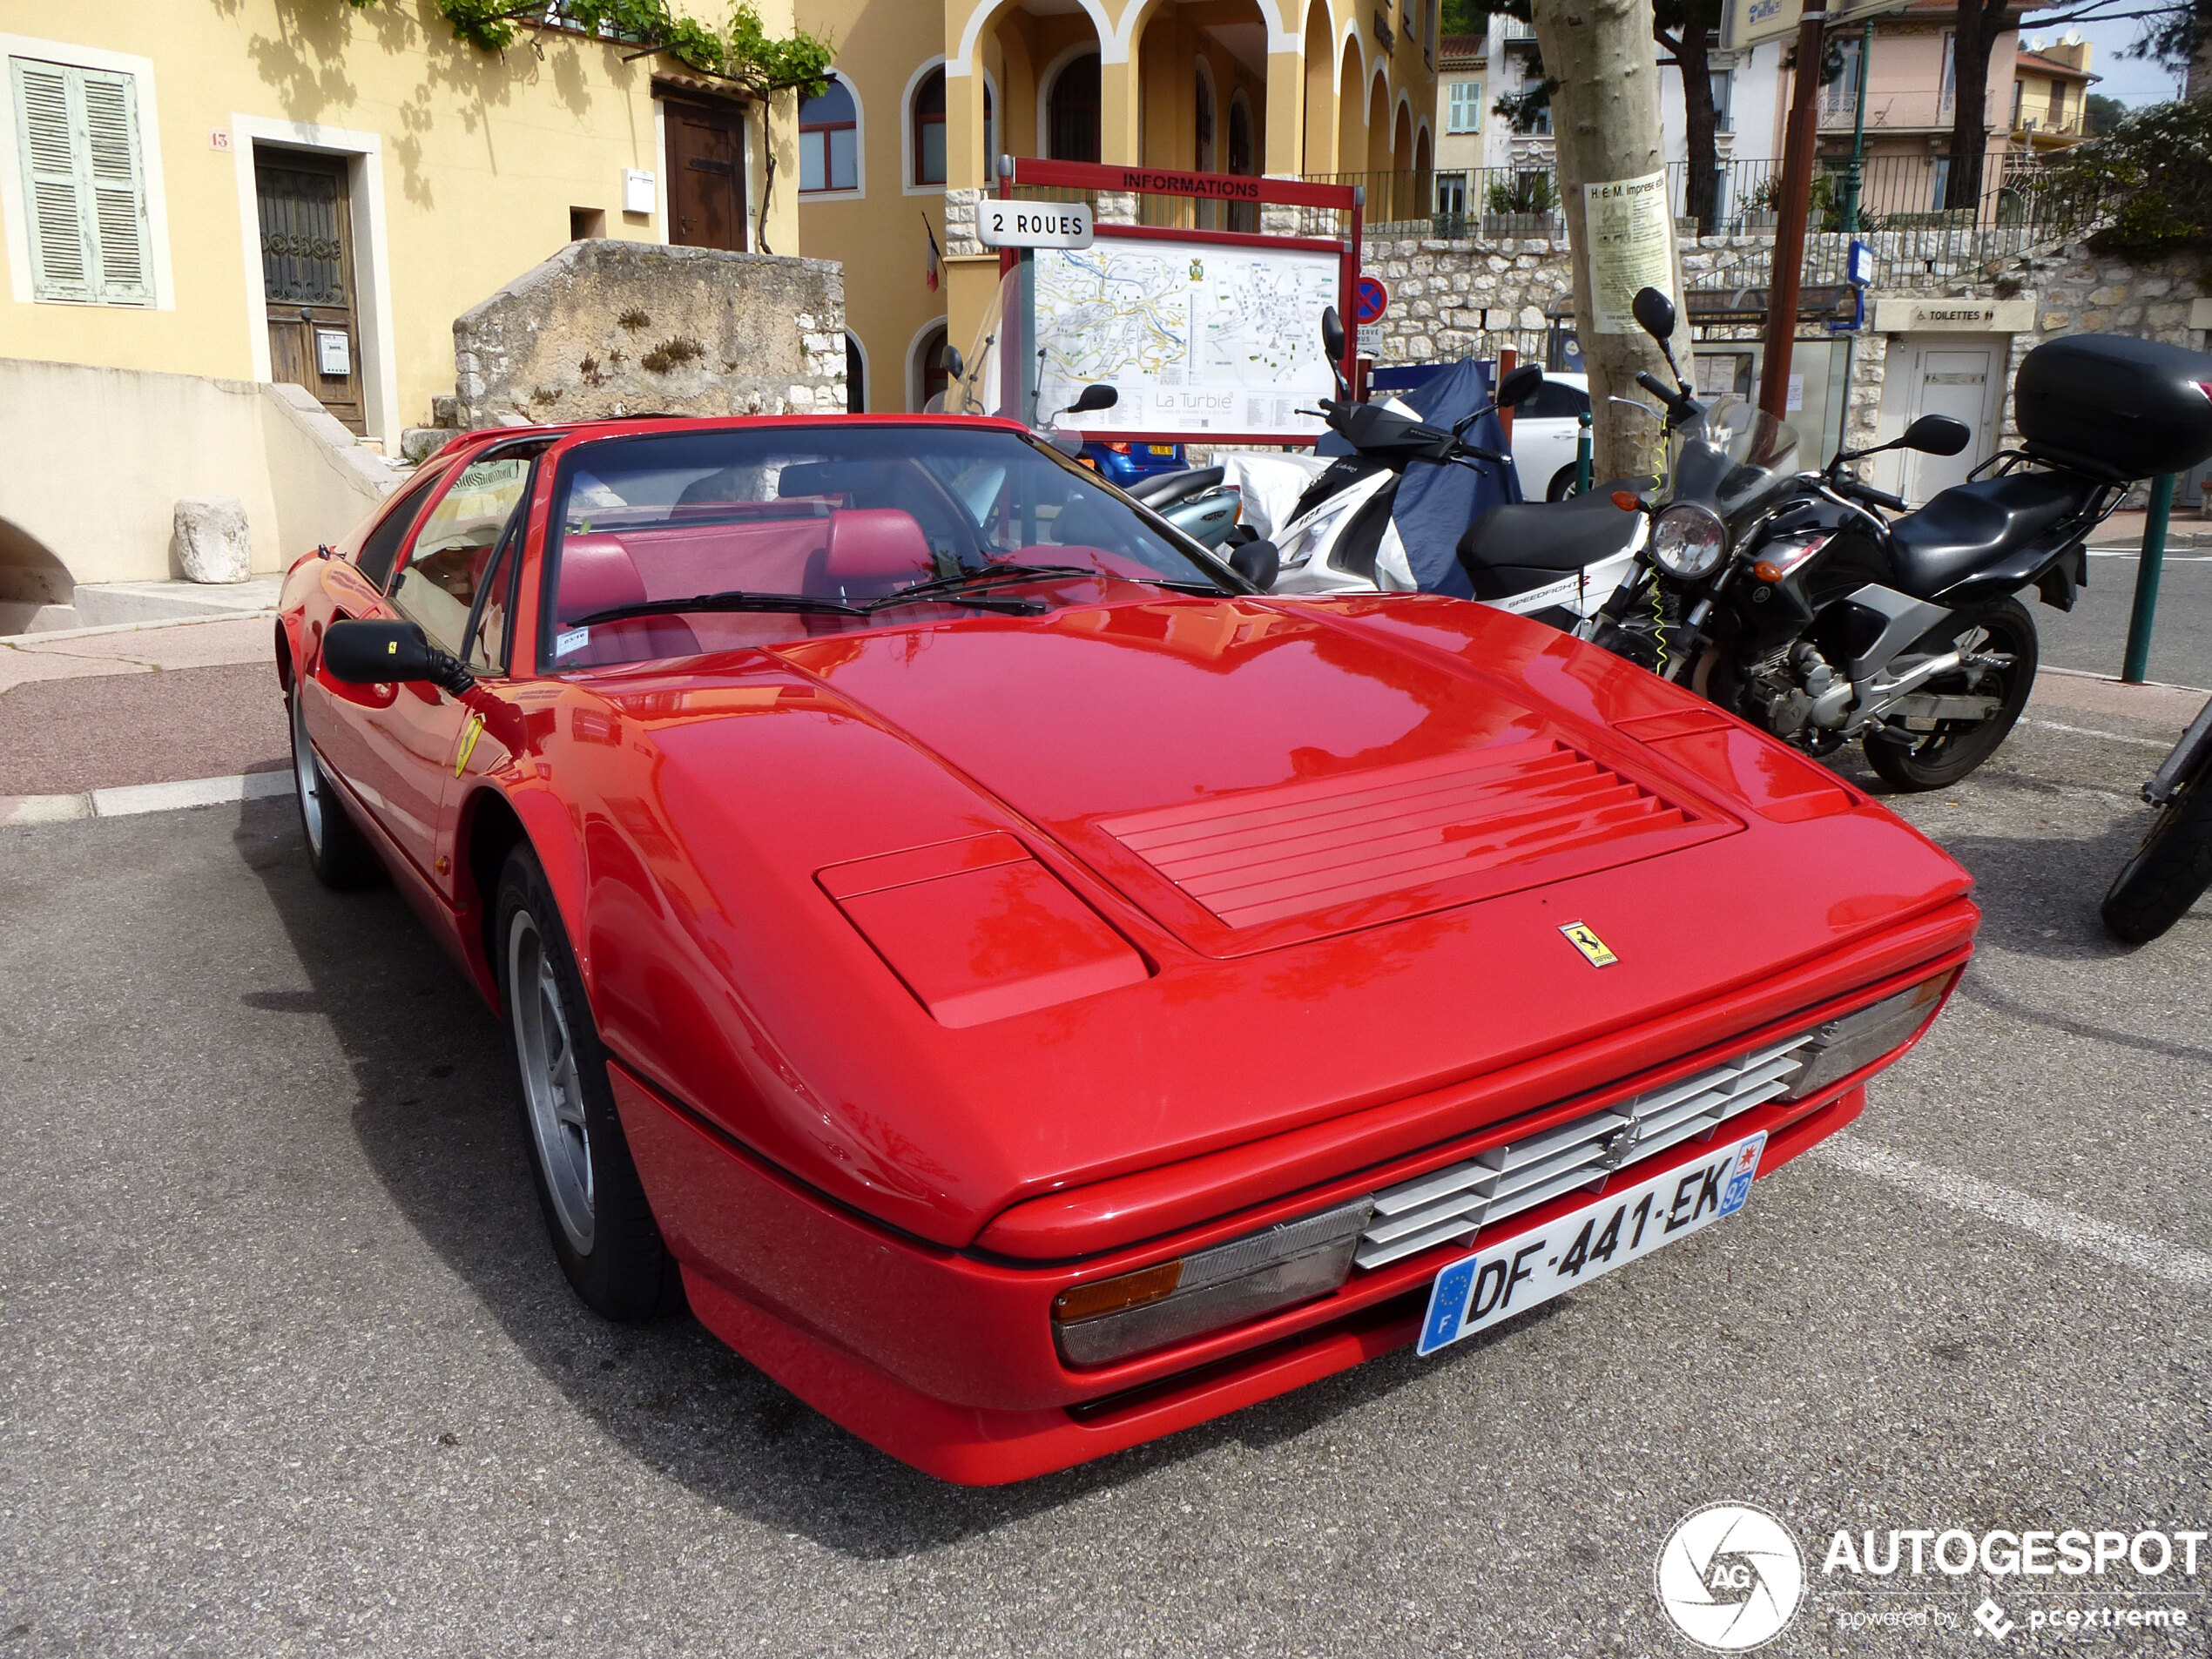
(1556, 401)
(381, 545)
(452, 553)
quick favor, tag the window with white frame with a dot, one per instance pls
(83, 179)
(829, 150)
(1464, 111)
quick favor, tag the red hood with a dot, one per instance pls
(1254, 773)
(940, 918)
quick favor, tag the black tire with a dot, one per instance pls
(602, 1229)
(2170, 870)
(1562, 483)
(1938, 758)
(338, 852)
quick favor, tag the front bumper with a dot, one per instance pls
(945, 1358)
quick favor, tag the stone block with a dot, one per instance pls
(213, 542)
(2111, 294)
(417, 442)
(605, 327)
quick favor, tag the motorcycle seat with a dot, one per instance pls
(1971, 525)
(1548, 535)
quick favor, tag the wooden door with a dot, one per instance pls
(705, 176)
(307, 277)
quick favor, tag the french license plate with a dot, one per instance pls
(1511, 1277)
(1161, 448)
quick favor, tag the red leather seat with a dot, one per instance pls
(872, 550)
(598, 574)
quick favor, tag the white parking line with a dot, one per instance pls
(2092, 731)
(2176, 1262)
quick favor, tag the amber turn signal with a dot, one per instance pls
(1112, 1295)
(1627, 501)
(1767, 571)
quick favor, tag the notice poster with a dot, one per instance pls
(1626, 222)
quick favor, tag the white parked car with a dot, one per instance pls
(1545, 430)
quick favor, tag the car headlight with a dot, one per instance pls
(1132, 1314)
(1688, 541)
(1841, 1046)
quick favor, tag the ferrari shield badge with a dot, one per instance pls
(1580, 935)
(469, 733)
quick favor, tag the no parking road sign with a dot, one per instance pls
(1369, 300)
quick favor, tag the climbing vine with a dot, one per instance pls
(742, 53)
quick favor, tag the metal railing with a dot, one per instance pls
(1902, 199)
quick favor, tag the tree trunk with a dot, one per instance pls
(1700, 147)
(1973, 36)
(1605, 128)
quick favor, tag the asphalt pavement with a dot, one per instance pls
(286, 1366)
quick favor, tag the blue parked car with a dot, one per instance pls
(1125, 464)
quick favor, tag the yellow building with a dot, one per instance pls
(2051, 93)
(927, 92)
(306, 191)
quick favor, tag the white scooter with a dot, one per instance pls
(1556, 562)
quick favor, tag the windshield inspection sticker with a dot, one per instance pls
(574, 639)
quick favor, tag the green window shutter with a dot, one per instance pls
(84, 183)
(117, 187)
(61, 266)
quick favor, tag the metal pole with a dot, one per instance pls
(2147, 574)
(1853, 180)
(1790, 234)
(1582, 454)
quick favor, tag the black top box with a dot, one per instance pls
(2114, 407)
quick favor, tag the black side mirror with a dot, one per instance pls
(1257, 562)
(955, 364)
(1520, 386)
(374, 653)
(1937, 435)
(1097, 395)
(1332, 335)
(1655, 314)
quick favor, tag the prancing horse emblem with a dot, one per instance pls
(1580, 935)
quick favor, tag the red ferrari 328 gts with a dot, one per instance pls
(1030, 990)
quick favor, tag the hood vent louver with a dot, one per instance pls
(1274, 853)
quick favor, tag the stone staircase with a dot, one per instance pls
(417, 442)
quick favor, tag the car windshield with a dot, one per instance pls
(842, 514)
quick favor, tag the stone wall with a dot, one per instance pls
(609, 327)
(1449, 295)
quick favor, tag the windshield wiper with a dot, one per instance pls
(990, 576)
(736, 599)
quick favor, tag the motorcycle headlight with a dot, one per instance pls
(1688, 541)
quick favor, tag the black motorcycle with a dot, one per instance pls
(1788, 597)
(2173, 867)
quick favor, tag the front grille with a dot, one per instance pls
(1519, 1174)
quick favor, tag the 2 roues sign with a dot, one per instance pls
(1020, 223)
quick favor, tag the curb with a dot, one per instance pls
(131, 800)
(22, 642)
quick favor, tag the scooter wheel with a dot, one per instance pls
(2170, 870)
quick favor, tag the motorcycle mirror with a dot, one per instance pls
(1097, 395)
(1655, 314)
(1332, 335)
(955, 364)
(373, 653)
(1257, 562)
(1525, 382)
(1937, 435)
